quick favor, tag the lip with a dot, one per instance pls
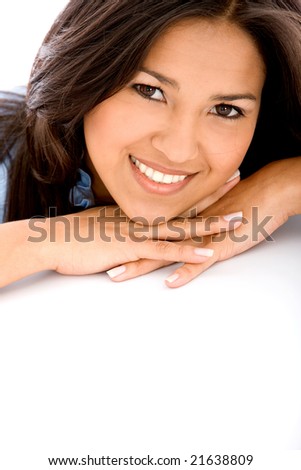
(162, 169)
(159, 188)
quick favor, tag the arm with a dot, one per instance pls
(88, 242)
(275, 189)
(18, 257)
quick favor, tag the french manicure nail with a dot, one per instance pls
(114, 272)
(235, 216)
(237, 173)
(172, 278)
(204, 252)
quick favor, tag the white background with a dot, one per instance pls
(23, 27)
(92, 367)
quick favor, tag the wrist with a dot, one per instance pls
(22, 252)
(296, 194)
(282, 179)
(291, 186)
(37, 244)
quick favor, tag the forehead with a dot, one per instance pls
(207, 50)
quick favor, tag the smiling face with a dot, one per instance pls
(182, 126)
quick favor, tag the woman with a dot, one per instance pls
(150, 108)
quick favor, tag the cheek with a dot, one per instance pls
(112, 127)
(102, 126)
(228, 147)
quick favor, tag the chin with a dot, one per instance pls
(149, 217)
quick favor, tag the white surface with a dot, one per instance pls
(89, 366)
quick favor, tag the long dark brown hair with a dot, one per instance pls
(94, 48)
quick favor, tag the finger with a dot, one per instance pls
(182, 229)
(162, 251)
(187, 273)
(170, 251)
(226, 246)
(217, 195)
(212, 198)
(136, 268)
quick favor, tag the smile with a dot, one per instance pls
(155, 175)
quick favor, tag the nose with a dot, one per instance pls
(178, 139)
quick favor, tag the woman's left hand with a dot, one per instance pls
(267, 199)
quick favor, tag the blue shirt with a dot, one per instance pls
(81, 195)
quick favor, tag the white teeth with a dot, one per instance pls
(148, 172)
(142, 167)
(167, 179)
(157, 176)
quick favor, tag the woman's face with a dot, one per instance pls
(181, 127)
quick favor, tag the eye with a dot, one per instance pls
(227, 111)
(149, 92)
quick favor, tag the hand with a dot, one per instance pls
(266, 198)
(180, 229)
(212, 198)
(99, 239)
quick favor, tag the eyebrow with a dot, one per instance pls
(247, 96)
(174, 84)
(160, 77)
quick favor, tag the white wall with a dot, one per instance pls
(23, 27)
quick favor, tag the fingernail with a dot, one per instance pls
(172, 278)
(204, 252)
(237, 173)
(114, 272)
(236, 216)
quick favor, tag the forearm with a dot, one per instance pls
(20, 255)
(293, 193)
(282, 179)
